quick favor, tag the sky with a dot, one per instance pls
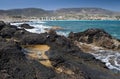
(57, 4)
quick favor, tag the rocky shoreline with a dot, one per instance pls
(68, 60)
(97, 37)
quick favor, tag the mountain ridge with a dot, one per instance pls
(61, 10)
(60, 14)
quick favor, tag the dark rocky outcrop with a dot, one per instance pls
(71, 61)
(14, 65)
(7, 32)
(96, 36)
(67, 60)
(26, 26)
(2, 24)
(31, 38)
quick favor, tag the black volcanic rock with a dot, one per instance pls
(26, 26)
(67, 60)
(20, 33)
(95, 36)
(2, 24)
(67, 57)
(14, 65)
(32, 39)
(7, 32)
(2, 39)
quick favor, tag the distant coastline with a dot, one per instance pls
(26, 14)
(17, 21)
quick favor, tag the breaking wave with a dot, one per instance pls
(110, 58)
(39, 27)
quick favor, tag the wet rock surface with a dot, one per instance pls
(2, 24)
(54, 28)
(68, 61)
(26, 26)
(97, 37)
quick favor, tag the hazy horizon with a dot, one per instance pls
(57, 4)
(56, 8)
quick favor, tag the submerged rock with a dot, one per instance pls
(57, 28)
(26, 26)
(54, 28)
(2, 24)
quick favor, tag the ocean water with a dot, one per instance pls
(112, 27)
(110, 58)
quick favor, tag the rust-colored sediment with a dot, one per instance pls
(38, 52)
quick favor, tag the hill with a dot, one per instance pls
(85, 11)
(28, 12)
(63, 13)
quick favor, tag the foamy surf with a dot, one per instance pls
(39, 27)
(63, 33)
(110, 58)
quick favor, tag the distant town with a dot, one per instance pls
(27, 14)
(17, 19)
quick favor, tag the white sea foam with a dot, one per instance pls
(39, 27)
(63, 33)
(17, 23)
(110, 58)
(37, 21)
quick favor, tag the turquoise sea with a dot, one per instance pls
(112, 27)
